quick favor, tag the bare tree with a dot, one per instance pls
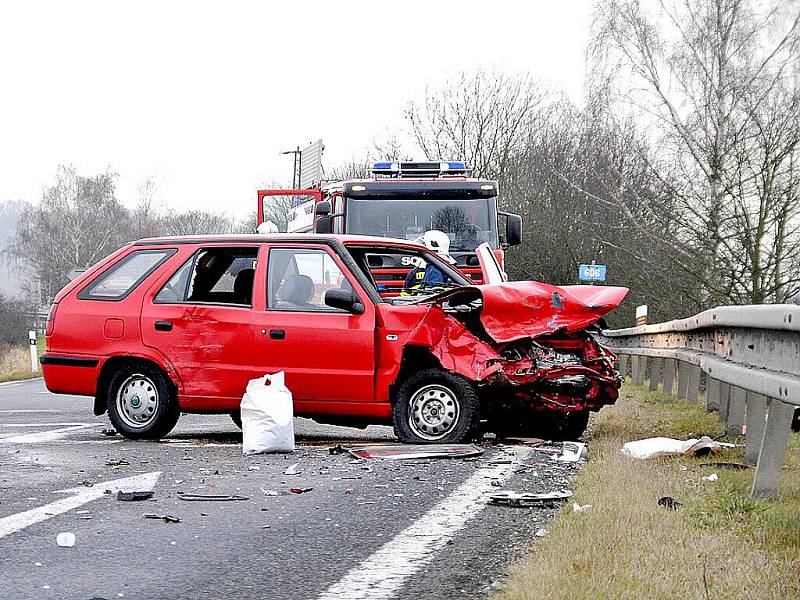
(78, 221)
(717, 80)
(483, 118)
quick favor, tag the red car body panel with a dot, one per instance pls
(335, 363)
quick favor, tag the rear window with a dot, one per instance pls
(122, 278)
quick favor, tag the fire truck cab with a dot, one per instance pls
(403, 200)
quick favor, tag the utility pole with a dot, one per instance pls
(295, 177)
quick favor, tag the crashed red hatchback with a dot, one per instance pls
(180, 324)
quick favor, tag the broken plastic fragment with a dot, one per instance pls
(211, 497)
(669, 502)
(511, 498)
(712, 477)
(133, 496)
(65, 539)
(292, 469)
(165, 518)
(297, 490)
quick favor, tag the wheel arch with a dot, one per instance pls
(113, 364)
(415, 358)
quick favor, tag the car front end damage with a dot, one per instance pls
(525, 343)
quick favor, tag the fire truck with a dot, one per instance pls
(404, 200)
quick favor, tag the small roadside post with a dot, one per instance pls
(34, 356)
(592, 273)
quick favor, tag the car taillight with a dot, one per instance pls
(51, 319)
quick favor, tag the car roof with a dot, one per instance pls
(262, 238)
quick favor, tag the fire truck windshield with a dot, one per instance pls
(468, 222)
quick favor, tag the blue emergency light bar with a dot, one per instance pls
(418, 169)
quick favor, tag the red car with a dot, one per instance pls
(180, 324)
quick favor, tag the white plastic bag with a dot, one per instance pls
(267, 416)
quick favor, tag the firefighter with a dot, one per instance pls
(425, 278)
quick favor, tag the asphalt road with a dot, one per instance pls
(367, 529)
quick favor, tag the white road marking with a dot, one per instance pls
(27, 410)
(20, 381)
(46, 436)
(382, 574)
(82, 495)
(43, 424)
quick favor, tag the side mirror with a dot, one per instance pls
(513, 229)
(345, 300)
(322, 208)
(324, 224)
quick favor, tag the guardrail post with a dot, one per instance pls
(756, 421)
(669, 375)
(639, 364)
(655, 371)
(623, 364)
(683, 379)
(693, 384)
(712, 394)
(724, 400)
(773, 449)
(736, 410)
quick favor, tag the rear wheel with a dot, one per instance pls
(435, 406)
(142, 403)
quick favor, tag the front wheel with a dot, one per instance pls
(142, 403)
(434, 406)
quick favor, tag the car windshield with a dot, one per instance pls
(467, 222)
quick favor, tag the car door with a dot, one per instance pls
(328, 354)
(201, 319)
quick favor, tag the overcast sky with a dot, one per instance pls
(203, 97)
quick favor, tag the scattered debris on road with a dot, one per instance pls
(133, 496)
(211, 497)
(165, 518)
(110, 431)
(293, 469)
(516, 499)
(412, 451)
(118, 462)
(669, 502)
(712, 477)
(65, 539)
(572, 452)
(337, 449)
(580, 507)
(298, 490)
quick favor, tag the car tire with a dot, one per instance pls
(142, 402)
(236, 417)
(434, 406)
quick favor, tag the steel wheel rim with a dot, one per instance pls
(137, 401)
(433, 412)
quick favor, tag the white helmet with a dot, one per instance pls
(438, 241)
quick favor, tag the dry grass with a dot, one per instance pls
(719, 545)
(15, 363)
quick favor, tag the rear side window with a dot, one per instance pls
(116, 282)
(213, 276)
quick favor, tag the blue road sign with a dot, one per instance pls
(592, 272)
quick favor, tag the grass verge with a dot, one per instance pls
(15, 362)
(720, 544)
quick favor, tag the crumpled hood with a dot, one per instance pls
(520, 309)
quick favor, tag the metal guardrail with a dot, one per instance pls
(749, 357)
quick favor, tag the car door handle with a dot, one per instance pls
(163, 325)
(277, 334)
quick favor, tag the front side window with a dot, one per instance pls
(213, 276)
(123, 277)
(299, 277)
